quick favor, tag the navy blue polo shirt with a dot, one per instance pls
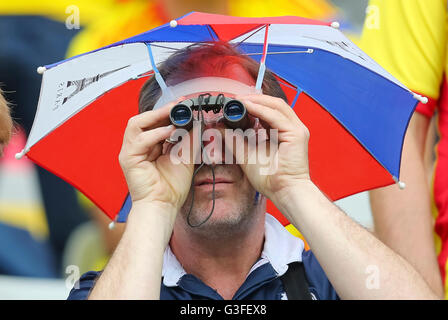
(262, 283)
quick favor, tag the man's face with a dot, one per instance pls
(234, 195)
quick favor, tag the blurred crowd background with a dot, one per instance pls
(49, 233)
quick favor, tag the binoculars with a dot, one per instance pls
(234, 112)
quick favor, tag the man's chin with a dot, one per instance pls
(227, 218)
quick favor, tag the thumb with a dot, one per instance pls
(241, 145)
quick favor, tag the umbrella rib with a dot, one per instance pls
(164, 47)
(239, 43)
(209, 29)
(279, 52)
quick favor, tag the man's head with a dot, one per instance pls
(235, 198)
(201, 60)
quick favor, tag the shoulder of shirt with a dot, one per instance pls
(319, 285)
(82, 287)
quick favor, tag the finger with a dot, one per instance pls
(149, 120)
(185, 149)
(155, 152)
(146, 120)
(274, 118)
(272, 102)
(241, 145)
(146, 140)
(278, 104)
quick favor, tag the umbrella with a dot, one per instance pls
(356, 112)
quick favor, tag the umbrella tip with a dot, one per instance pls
(20, 154)
(112, 225)
(335, 25)
(401, 184)
(421, 98)
(41, 70)
(173, 23)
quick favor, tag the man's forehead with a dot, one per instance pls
(213, 93)
(232, 71)
(238, 73)
(237, 82)
(222, 66)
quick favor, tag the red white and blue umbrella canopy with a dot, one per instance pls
(357, 113)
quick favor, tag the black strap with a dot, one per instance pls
(295, 282)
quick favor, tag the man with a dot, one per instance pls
(409, 38)
(239, 252)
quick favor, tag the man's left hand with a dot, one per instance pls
(288, 160)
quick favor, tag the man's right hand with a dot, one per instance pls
(158, 188)
(151, 176)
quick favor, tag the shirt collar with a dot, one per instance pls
(280, 249)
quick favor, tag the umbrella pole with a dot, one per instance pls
(262, 68)
(157, 74)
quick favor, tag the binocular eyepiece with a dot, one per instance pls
(234, 112)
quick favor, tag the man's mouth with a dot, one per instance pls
(209, 181)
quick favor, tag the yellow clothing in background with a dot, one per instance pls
(409, 39)
(129, 18)
(58, 10)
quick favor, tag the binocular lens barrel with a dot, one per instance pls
(234, 111)
(181, 116)
(235, 115)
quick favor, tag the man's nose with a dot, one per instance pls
(213, 135)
